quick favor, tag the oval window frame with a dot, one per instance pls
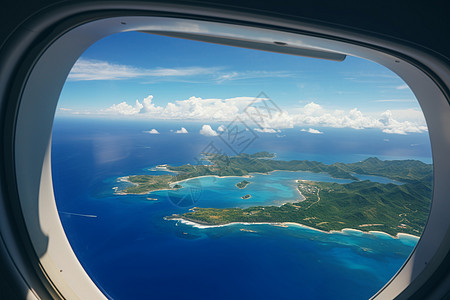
(57, 54)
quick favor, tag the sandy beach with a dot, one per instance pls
(162, 168)
(287, 224)
(216, 176)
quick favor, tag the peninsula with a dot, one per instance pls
(363, 205)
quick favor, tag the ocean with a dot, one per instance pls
(131, 252)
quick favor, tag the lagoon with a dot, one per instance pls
(275, 188)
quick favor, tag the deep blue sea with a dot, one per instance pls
(131, 252)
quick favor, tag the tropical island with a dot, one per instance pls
(363, 205)
(243, 184)
(245, 197)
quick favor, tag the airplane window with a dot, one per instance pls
(185, 169)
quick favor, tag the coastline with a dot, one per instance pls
(296, 181)
(125, 179)
(217, 176)
(162, 167)
(287, 224)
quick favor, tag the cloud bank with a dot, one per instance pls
(309, 116)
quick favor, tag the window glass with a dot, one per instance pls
(184, 169)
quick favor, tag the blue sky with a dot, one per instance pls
(182, 79)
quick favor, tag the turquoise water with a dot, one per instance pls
(276, 188)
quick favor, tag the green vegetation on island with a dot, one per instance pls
(243, 184)
(248, 196)
(239, 165)
(142, 184)
(363, 205)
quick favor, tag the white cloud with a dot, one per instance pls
(402, 87)
(65, 109)
(252, 75)
(226, 77)
(182, 131)
(221, 128)
(396, 127)
(267, 130)
(396, 100)
(124, 108)
(208, 131)
(153, 131)
(400, 121)
(313, 131)
(189, 71)
(410, 114)
(365, 77)
(312, 108)
(315, 115)
(194, 108)
(89, 69)
(149, 107)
